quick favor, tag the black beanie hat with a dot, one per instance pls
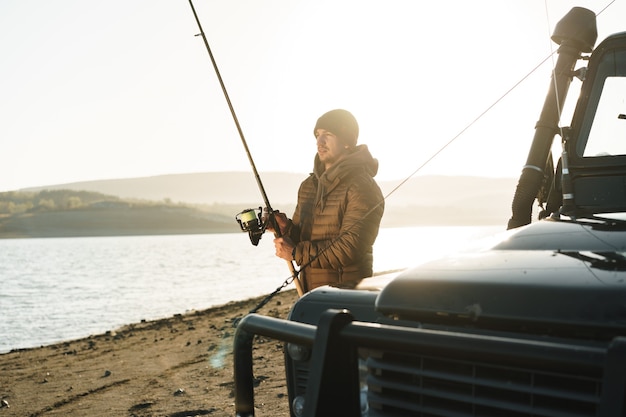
(340, 122)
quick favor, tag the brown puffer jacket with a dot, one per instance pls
(336, 221)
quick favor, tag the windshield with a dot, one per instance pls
(605, 122)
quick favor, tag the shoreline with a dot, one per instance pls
(176, 366)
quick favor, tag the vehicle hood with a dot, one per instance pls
(562, 235)
(559, 282)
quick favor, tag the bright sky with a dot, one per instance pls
(120, 89)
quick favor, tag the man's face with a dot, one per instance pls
(329, 147)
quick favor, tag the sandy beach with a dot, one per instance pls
(178, 366)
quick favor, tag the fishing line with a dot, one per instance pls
(294, 275)
(448, 143)
(483, 113)
(434, 155)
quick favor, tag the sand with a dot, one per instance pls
(178, 366)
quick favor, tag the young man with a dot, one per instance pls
(339, 209)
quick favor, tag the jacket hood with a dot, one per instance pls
(359, 160)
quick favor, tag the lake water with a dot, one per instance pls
(58, 289)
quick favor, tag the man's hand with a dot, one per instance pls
(284, 248)
(276, 217)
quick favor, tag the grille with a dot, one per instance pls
(301, 376)
(419, 372)
(402, 384)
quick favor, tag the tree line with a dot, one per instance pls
(16, 202)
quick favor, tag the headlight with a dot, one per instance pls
(363, 387)
(298, 406)
(298, 353)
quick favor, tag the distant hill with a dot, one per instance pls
(196, 188)
(436, 200)
(115, 221)
(68, 213)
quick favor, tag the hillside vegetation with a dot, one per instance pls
(68, 213)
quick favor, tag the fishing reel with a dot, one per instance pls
(251, 221)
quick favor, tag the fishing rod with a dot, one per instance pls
(250, 220)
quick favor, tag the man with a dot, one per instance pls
(339, 209)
